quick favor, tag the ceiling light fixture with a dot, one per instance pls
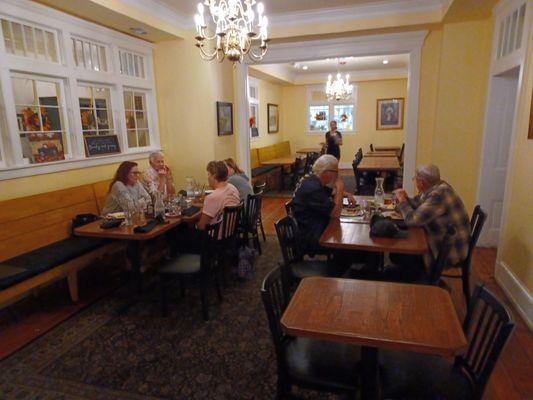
(305, 67)
(339, 89)
(138, 31)
(385, 61)
(234, 32)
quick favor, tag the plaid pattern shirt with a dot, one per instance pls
(433, 210)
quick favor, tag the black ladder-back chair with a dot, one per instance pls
(307, 363)
(249, 220)
(309, 162)
(259, 189)
(294, 266)
(356, 161)
(487, 327)
(476, 225)
(204, 265)
(228, 238)
(371, 147)
(289, 208)
(435, 271)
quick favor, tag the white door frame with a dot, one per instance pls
(373, 45)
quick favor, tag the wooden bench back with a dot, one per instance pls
(28, 223)
(282, 149)
(254, 159)
(266, 153)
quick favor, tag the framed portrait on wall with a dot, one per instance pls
(224, 118)
(273, 118)
(389, 113)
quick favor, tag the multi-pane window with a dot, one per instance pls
(39, 108)
(29, 41)
(131, 64)
(136, 118)
(318, 118)
(253, 100)
(344, 115)
(89, 55)
(95, 110)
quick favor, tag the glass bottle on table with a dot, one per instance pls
(379, 193)
(159, 206)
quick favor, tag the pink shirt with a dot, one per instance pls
(222, 197)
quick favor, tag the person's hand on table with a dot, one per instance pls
(351, 199)
(400, 195)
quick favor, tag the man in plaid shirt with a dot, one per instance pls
(434, 208)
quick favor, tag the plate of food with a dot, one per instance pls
(393, 215)
(115, 215)
(351, 212)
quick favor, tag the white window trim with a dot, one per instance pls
(150, 121)
(330, 104)
(252, 82)
(68, 27)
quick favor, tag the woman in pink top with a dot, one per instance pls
(225, 194)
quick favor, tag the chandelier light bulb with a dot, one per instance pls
(237, 27)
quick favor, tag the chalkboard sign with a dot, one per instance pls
(101, 145)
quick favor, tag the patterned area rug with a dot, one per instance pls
(110, 351)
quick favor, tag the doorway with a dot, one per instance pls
(499, 125)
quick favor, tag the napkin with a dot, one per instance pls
(146, 228)
(189, 212)
(111, 223)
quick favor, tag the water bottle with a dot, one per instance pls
(189, 187)
(159, 206)
(379, 193)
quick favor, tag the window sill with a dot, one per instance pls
(21, 171)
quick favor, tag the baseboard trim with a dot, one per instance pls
(515, 291)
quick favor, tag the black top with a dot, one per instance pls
(312, 204)
(333, 148)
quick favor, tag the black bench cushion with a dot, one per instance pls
(263, 169)
(26, 265)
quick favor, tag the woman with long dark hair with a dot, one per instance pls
(125, 188)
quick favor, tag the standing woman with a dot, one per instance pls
(125, 187)
(334, 140)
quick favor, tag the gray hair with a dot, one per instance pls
(324, 162)
(429, 173)
(155, 154)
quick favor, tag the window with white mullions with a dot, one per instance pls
(89, 55)
(319, 118)
(95, 111)
(29, 40)
(343, 114)
(40, 116)
(137, 128)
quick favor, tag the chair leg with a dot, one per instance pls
(218, 286)
(262, 229)
(163, 296)
(465, 277)
(283, 390)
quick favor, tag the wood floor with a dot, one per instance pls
(512, 378)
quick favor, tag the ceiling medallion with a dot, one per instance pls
(237, 28)
(339, 89)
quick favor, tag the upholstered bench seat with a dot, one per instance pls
(263, 169)
(27, 265)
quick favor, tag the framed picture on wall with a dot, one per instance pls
(273, 118)
(389, 113)
(224, 118)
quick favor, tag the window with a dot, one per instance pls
(89, 55)
(136, 118)
(40, 117)
(321, 111)
(29, 41)
(95, 111)
(253, 100)
(131, 64)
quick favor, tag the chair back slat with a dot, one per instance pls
(438, 265)
(252, 210)
(289, 208)
(230, 221)
(488, 326)
(260, 188)
(275, 299)
(289, 239)
(476, 225)
(209, 237)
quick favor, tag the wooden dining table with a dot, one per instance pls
(281, 161)
(381, 154)
(407, 317)
(379, 164)
(388, 148)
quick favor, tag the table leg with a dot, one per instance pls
(134, 255)
(370, 374)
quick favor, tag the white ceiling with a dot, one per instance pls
(396, 61)
(188, 7)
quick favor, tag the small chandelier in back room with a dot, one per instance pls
(339, 89)
(237, 28)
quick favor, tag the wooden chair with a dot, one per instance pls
(307, 363)
(259, 190)
(371, 147)
(227, 243)
(203, 265)
(487, 326)
(249, 220)
(476, 225)
(289, 208)
(294, 266)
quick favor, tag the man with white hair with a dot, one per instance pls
(317, 198)
(158, 178)
(434, 208)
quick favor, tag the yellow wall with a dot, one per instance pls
(516, 250)
(295, 121)
(268, 93)
(187, 91)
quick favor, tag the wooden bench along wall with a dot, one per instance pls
(258, 155)
(32, 222)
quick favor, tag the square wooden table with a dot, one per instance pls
(374, 315)
(381, 154)
(281, 161)
(387, 148)
(379, 164)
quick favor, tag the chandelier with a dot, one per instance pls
(235, 30)
(339, 89)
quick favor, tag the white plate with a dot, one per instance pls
(116, 215)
